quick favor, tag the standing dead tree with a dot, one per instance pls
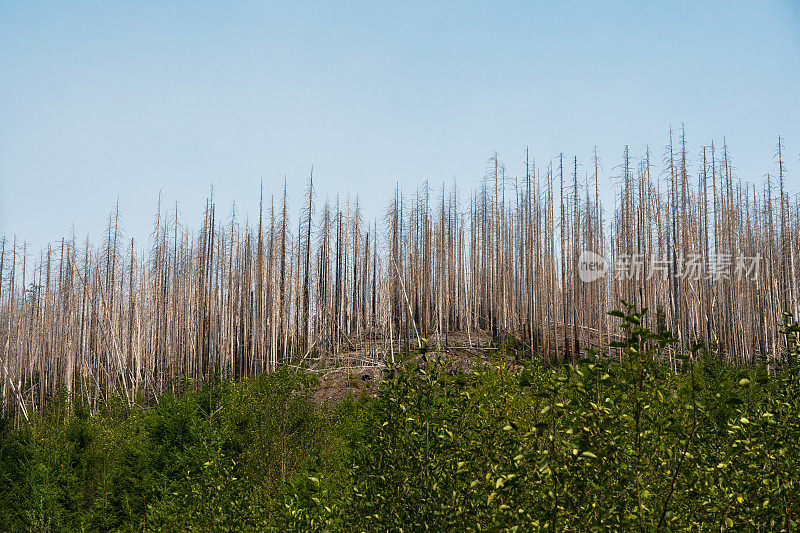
(714, 258)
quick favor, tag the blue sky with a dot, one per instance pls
(100, 100)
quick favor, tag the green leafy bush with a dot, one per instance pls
(595, 445)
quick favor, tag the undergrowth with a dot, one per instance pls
(619, 443)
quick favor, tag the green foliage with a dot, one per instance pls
(219, 458)
(595, 445)
(791, 330)
(614, 441)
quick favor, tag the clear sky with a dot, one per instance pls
(100, 100)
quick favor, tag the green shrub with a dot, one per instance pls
(604, 443)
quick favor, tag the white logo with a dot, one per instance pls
(591, 266)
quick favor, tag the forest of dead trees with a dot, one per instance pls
(234, 299)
